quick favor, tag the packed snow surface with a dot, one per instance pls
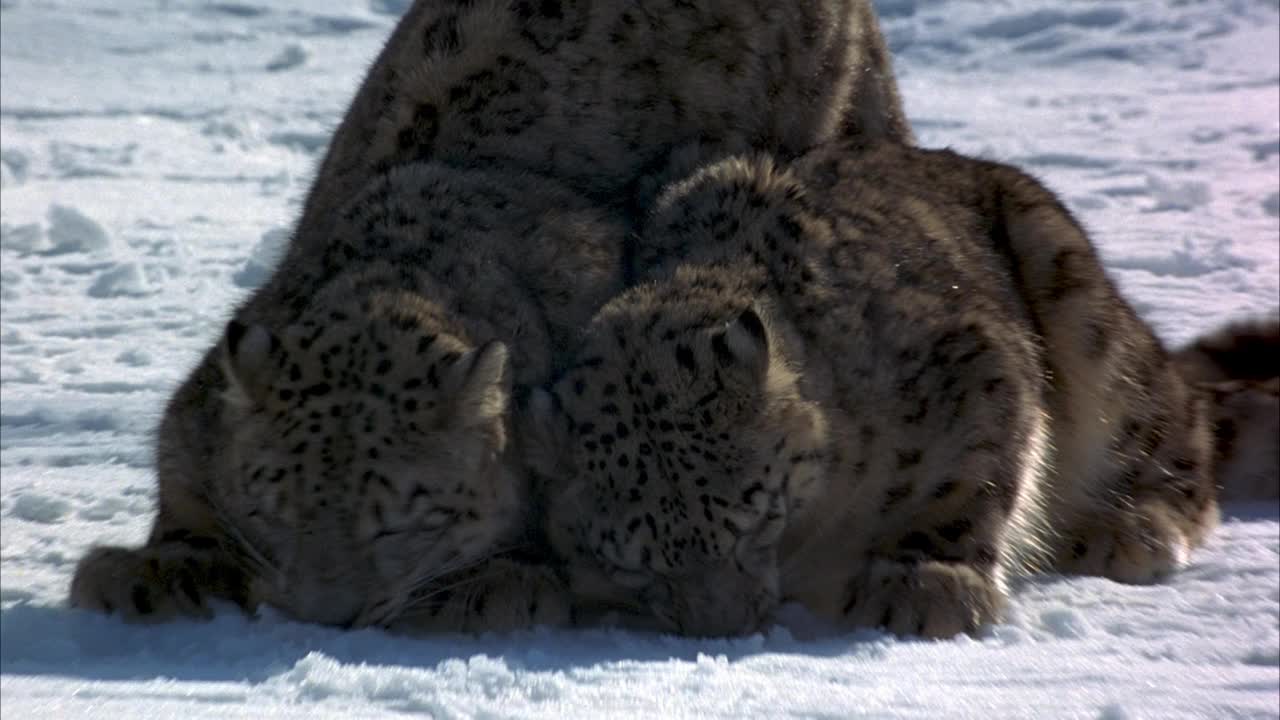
(155, 153)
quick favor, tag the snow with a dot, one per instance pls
(153, 153)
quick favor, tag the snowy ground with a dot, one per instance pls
(152, 150)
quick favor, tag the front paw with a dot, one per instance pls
(500, 597)
(149, 584)
(926, 599)
(1138, 547)
(519, 596)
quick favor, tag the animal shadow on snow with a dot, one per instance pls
(62, 641)
(58, 640)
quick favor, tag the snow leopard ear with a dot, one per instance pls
(248, 362)
(483, 381)
(743, 347)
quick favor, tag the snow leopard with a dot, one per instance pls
(609, 95)
(358, 460)
(877, 381)
(260, 500)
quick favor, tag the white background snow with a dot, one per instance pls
(154, 152)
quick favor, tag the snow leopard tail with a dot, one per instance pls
(1238, 368)
(1242, 350)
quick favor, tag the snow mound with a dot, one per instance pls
(71, 231)
(290, 57)
(25, 238)
(263, 258)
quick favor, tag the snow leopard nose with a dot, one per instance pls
(723, 620)
(325, 605)
(326, 589)
(725, 602)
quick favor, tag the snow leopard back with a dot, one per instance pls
(599, 93)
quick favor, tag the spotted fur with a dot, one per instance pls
(607, 98)
(599, 93)
(358, 464)
(876, 381)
